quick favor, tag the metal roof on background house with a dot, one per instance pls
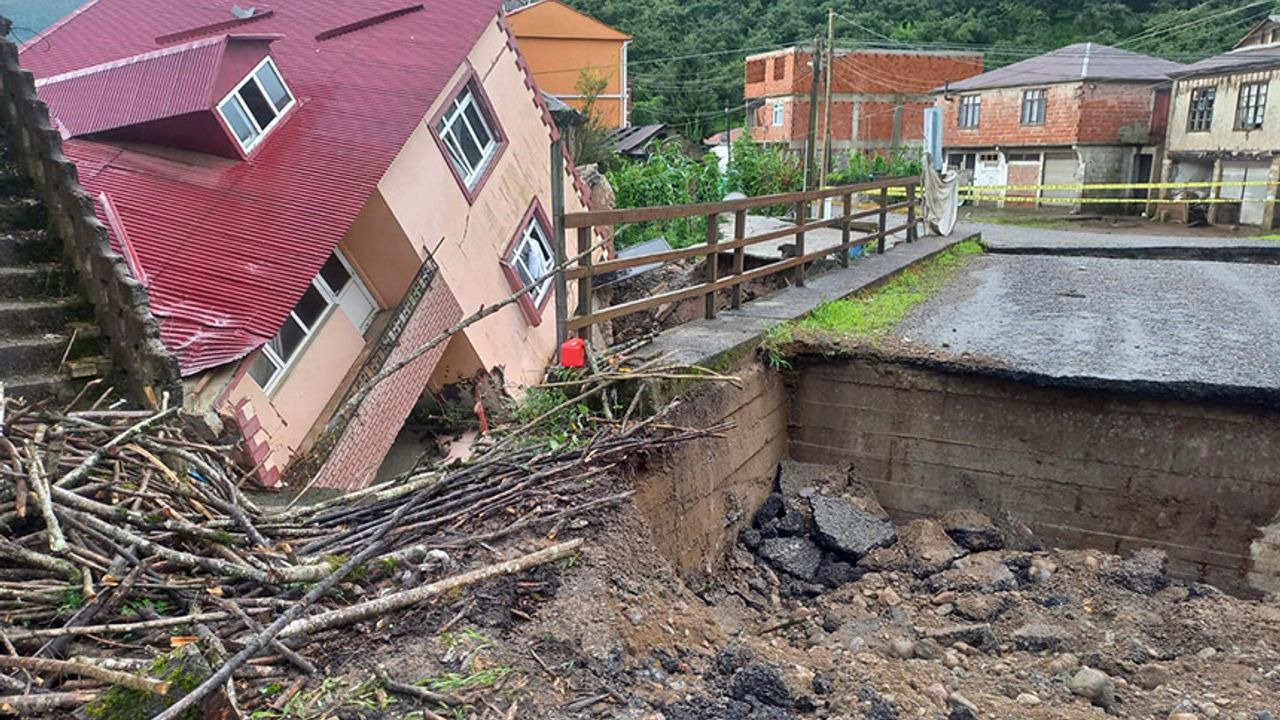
(634, 138)
(1246, 58)
(229, 246)
(1073, 63)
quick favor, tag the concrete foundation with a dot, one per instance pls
(1083, 468)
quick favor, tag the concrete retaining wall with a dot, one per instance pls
(700, 495)
(1082, 468)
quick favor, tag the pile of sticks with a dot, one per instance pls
(124, 536)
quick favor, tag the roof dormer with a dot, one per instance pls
(220, 95)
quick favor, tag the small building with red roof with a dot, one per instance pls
(309, 190)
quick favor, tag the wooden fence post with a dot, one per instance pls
(739, 254)
(713, 263)
(847, 201)
(883, 218)
(584, 282)
(911, 212)
(557, 222)
(801, 218)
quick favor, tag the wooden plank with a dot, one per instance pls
(802, 216)
(713, 263)
(694, 250)
(557, 231)
(739, 254)
(883, 218)
(845, 203)
(911, 213)
(584, 282)
(727, 282)
(646, 214)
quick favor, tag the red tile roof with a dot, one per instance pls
(230, 245)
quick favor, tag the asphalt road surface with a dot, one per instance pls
(1117, 319)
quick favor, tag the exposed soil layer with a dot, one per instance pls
(957, 617)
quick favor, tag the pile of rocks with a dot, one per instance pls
(822, 529)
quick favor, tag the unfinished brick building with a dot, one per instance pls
(878, 96)
(1085, 113)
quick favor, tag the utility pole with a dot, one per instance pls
(825, 157)
(809, 146)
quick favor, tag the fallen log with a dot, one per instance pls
(24, 705)
(68, 667)
(408, 598)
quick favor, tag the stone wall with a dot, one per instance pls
(120, 302)
(1083, 468)
(697, 497)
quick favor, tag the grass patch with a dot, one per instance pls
(451, 681)
(871, 313)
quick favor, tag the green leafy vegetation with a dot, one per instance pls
(686, 61)
(762, 170)
(860, 167)
(871, 313)
(453, 681)
(668, 177)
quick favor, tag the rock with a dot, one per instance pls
(981, 608)
(769, 509)
(929, 550)
(1094, 686)
(883, 559)
(1146, 572)
(1065, 662)
(1150, 677)
(928, 649)
(972, 530)
(890, 597)
(799, 478)
(978, 635)
(952, 659)
(1016, 535)
(983, 572)
(1183, 716)
(1027, 700)
(823, 683)
(1206, 653)
(1043, 637)
(903, 649)
(960, 708)
(795, 556)
(847, 528)
(762, 683)
(834, 572)
(733, 657)
(946, 597)
(796, 520)
(751, 539)
(943, 610)
(875, 706)
(184, 669)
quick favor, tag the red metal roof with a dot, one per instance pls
(228, 246)
(143, 88)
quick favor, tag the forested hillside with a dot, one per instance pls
(687, 55)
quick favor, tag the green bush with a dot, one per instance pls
(756, 170)
(668, 177)
(862, 166)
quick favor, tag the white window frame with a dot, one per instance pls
(516, 258)
(445, 130)
(1035, 106)
(779, 115)
(284, 365)
(970, 111)
(234, 97)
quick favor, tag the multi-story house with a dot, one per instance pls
(1085, 113)
(1224, 132)
(878, 97)
(309, 191)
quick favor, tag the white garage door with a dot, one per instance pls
(1250, 196)
(1060, 169)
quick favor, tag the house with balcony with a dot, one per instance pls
(1084, 113)
(878, 96)
(311, 191)
(1224, 132)
(564, 46)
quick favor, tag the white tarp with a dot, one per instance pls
(941, 198)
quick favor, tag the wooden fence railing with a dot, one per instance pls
(585, 270)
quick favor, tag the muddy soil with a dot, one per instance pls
(934, 624)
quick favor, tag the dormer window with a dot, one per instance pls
(256, 104)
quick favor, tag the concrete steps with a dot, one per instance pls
(33, 387)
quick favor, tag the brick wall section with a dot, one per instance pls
(120, 302)
(1076, 113)
(1082, 468)
(881, 79)
(357, 456)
